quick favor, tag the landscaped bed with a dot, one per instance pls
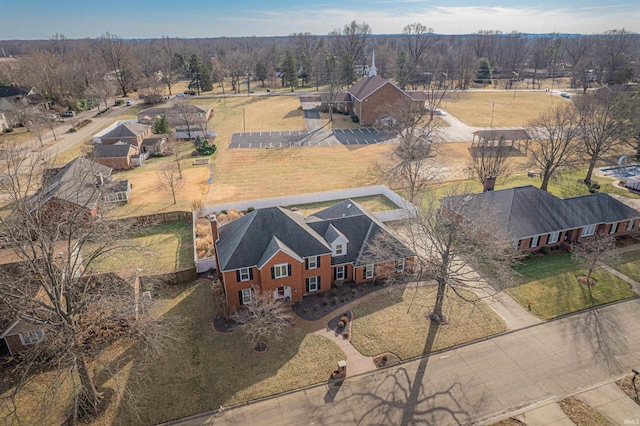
(553, 288)
(582, 414)
(396, 321)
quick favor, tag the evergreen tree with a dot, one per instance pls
(160, 126)
(483, 75)
(289, 70)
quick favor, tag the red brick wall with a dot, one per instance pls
(14, 343)
(574, 235)
(374, 106)
(115, 163)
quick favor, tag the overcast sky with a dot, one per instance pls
(39, 19)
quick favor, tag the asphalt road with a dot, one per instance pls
(473, 383)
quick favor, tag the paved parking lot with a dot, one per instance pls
(321, 137)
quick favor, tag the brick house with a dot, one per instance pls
(133, 133)
(117, 156)
(281, 252)
(176, 115)
(535, 218)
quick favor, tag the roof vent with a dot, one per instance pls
(349, 205)
(467, 198)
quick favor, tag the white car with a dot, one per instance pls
(440, 112)
(129, 103)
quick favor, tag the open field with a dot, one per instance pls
(553, 290)
(474, 109)
(200, 372)
(160, 249)
(401, 328)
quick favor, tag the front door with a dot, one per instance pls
(282, 293)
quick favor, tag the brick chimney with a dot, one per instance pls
(489, 183)
(214, 227)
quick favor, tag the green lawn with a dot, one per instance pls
(629, 264)
(373, 203)
(209, 369)
(559, 292)
(160, 249)
(397, 323)
(537, 268)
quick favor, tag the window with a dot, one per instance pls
(244, 274)
(340, 272)
(534, 241)
(369, 271)
(339, 249)
(630, 225)
(313, 283)
(246, 296)
(31, 337)
(312, 262)
(281, 270)
(122, 196)
(588, 230)
(613, 229)
(553, 237)
(400, 265)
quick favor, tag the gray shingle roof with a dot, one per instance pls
(112, 151)
(75, 182)
(127, 130)
(527, 211)
(257, 236)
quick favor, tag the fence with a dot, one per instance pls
(97, 138)
(406, 210)
(159, 218)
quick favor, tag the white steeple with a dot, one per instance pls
(373, 71)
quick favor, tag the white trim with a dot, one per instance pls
(369, 271)
(37, 336)
(10, 328)
(277, 276)
(555, 234)
(294, 256)
(630, 224)
(315, 262)
(343, 268)
(402, 265)
(588, 230)
(248, 274)
(315, 283)
(614, 228)
(341, 247)
(244, 296)
(535, 240)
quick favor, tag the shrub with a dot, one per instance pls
(345, 334)
(119, 102)
(354, 118)
(195, 153)
(307, 310)
(384, 359)
(354, 291)
(325, 302)
(8, 130)
(334, 292)
(73, 130)
(334, 300)
(545, 250)
(250, 209)
(223, 212)
(341, 324)
(316, 307)
(344, 319)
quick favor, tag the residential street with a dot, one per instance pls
(505, 374)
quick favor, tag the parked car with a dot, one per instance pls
(440, 112)
(565, 95)
(68, 114)
(180, 95)
(129, 103)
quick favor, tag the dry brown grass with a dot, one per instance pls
(626, 384)
(582, 414)
(474, 109)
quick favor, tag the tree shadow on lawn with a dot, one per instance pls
(204, 370)
(412, 398)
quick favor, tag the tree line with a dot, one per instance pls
(73, 73)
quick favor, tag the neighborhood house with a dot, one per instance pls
(280, 251)
(535, 218)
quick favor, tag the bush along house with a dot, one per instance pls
(281, 252)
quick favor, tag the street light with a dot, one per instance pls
(516, 87)
(446, 76)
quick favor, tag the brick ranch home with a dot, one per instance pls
(535, 218)
(280, 251)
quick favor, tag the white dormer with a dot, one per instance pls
(337, 240)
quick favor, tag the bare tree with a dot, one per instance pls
(190, 119)
(602, 119)
(489, 161)
(554, 142)
(452, 238)
(53, 287)
(263, 318)
(349, 45)
(591, 251)
(416, 137)
(120, 60)
(171, 180)
(578, 49)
